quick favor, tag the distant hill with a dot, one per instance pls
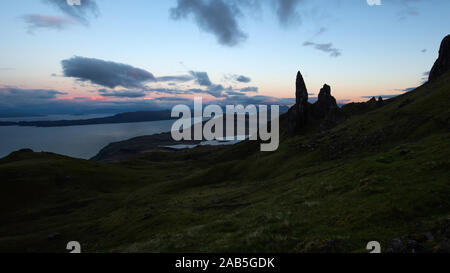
(141, 116)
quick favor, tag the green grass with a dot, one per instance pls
(381, 174)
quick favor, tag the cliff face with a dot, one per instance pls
(325, 109)
(442, 64)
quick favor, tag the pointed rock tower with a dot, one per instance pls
(298, 114)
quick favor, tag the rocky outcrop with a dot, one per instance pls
(326, 104)
(325, 109)
(298, 114)
(442, 64)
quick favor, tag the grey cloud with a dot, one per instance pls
(286, 11)
(106, 73)
(243, 79)
(124, 94)
(249, 89)
(327, 48)
(180, 78)
(40, 21)
(218, 17)
(215, 90)
(82, 13)
(11, 96)
(231, 92)
(237, 78)
(201, 78)
(173, 99)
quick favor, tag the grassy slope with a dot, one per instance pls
(379, 175)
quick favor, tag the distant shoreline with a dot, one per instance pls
(130, 117)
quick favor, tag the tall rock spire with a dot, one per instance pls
(298, 114)
(301, 93)
(442, 64)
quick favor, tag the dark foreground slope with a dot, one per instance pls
(380, 175)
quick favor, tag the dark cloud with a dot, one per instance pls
(201, 78)
(124, 94)
(40, 94)
(173, 99)
(40, 21)
(218, 17)
(231, 92)
(243, 79)
(82, 13)
(180, 78)
(237, 78)
(249, 89)
(215, 90)
(286, 11)
(106, 73)
(327, 47)
(18, 99)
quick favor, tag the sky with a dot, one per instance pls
(117, 55)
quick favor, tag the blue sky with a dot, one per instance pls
(358, 49)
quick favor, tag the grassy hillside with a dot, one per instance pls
(379, 175)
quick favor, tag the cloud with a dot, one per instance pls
(181, 78)
(201, 78)
(215, 90)
(81, 13)
(243, 79)
(327, 47)
(173, 99)
(286, 11)
(249, 89)
(218, 17)
(124, 94)
(106, 73)
(12, 96)
(38, 21)
(237, 78)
